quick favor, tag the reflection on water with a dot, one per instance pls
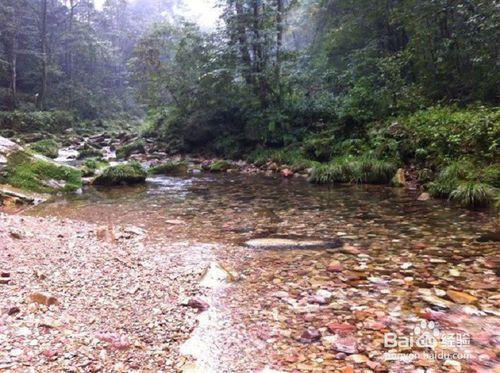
(229, 207)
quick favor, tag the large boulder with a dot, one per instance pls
(26, 170)
(122, 174)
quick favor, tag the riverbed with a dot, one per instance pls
(404, 268)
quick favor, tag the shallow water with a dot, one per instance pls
(406, 251)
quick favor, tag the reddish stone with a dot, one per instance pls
(419, 246)
(286, 172)
(199, 304)
(341, 328)
(334, 266)
(310, 335)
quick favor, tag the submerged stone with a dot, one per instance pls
(287, 243)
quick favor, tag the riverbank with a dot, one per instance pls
(81, 296)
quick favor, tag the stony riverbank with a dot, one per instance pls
(77, 296)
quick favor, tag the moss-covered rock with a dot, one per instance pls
(40, 174)
(88, 151)
(46, 147)
(220, 166)
(122, 174)
(126, 150)
(91, 165)
(169, 168)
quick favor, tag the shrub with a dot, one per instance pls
(50, 121)
(47, 147)
(354, 170)
(473, 195)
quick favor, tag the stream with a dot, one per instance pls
(405, 268)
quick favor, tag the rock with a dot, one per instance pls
(286, 172)
(459, 297)
(310, 335)
(334, 266)
(44, 299)
(348, 345)
(280, 294)
(399, 179)
(8, 192)
(16, 233)
(219, 166)
(106, 233)
(489, 237)
(455, 366)
(115, 340)
(358, 358)
(349, 249)
(328, 340)
(424, 197)
(436, 301)
(325, 294)
(316, 299)
(13, 310)
(15, 352)
(199, 304)
(285, 243)
(341, 328)
(122, 174)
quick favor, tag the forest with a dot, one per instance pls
(267, 186)
(330, 85)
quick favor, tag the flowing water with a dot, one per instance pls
(282, 310)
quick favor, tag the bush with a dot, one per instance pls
(48, 148)
(440, 135)
(127, 173)
(354, 170)
(474, 195)
(126, 150)
(36, 121)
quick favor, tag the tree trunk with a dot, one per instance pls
(279, 43)
(242, 41)
(13, 68)
(43, 31)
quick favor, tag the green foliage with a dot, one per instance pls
(442, 134)
(48, 148)
(467, 184)
(37, 121)
(28, 172)
(169, 168)
(126, 150)
(474, 195)
(90, 165)
(491, 175)
(127, 173)
(354, 170)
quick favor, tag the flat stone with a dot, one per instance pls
(286, 243)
